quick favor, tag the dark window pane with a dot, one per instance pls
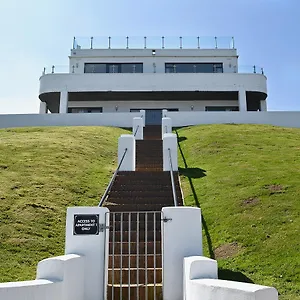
(94, 68)
(194, 68)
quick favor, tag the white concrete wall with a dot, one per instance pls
(153, 82)
(226, 56)
(179, 242)
(125, 106)
(68, 270)
(84, 119)
(213, 289)
(59, 278)
(93, 247)
(276, 118)
(31, 290)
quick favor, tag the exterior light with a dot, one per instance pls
(153, 52)
(116, 107)
(192, 107)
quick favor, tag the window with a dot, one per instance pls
(194, 67)
(85, 110)
(221, 108)
(113, 68)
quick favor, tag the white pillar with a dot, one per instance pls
(179, 241)
(166, 126)
(90, 241)
(164, 113)
(138, 129)
(197, 267)
(170, 142)
(263, 105)
(126, 141)
(63, 104)
(242, 100)
(43, 108)
(143, 116)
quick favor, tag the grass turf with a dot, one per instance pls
(246, 179)
(42, 172)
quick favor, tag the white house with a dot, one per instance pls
(130, 74)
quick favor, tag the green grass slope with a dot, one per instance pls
(42, 172)
(246, 179)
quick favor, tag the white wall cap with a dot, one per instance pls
(227, 288)
(25, 283)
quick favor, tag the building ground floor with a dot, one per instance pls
(152, 102)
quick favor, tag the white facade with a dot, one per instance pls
(124, 80)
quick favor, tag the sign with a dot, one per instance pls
(86, 224)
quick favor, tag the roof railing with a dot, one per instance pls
(108, 189)
(172, 179)
(152, 42)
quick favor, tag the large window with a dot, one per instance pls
(113, 68)
(85, 110)
(194, 67)
(221, 108)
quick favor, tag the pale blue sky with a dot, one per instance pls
(38, 33)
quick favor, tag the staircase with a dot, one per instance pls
(135, 202)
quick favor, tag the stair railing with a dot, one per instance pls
(136, 131)
(107, 191)
(172, 179)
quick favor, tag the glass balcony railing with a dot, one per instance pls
(59, 69)
(152, 42)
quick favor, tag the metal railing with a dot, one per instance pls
(136, 130)
(153, 42)
(172, 179)
(241, 69)
(107, 191)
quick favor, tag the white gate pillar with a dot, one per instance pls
(263, 105)
(63, 103)
(242, 100)
(86, 235)
(170, 147)
(179, 241)
(143, 116)
(164, 113)
(43, 107)
(126, 141)
(137, 128)
(166, 126)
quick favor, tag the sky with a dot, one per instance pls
(39, 33)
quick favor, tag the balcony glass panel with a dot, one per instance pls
(194, 68)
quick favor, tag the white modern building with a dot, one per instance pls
(130, 74)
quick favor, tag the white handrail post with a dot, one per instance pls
(143, 116)
(165, 113)
(166, 126)
(170, 142)
(126, 141)
(138, 128)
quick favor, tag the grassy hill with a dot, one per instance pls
(42, 172)
(246, 179)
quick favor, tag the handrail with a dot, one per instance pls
(112, 180)
(137, 128)
(172, 179)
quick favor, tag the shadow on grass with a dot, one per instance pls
(191, 173)
(233, 276)
(181, 138)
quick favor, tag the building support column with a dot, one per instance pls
(43, 108)
(242, 100)
(63, 103)
(263, 105)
